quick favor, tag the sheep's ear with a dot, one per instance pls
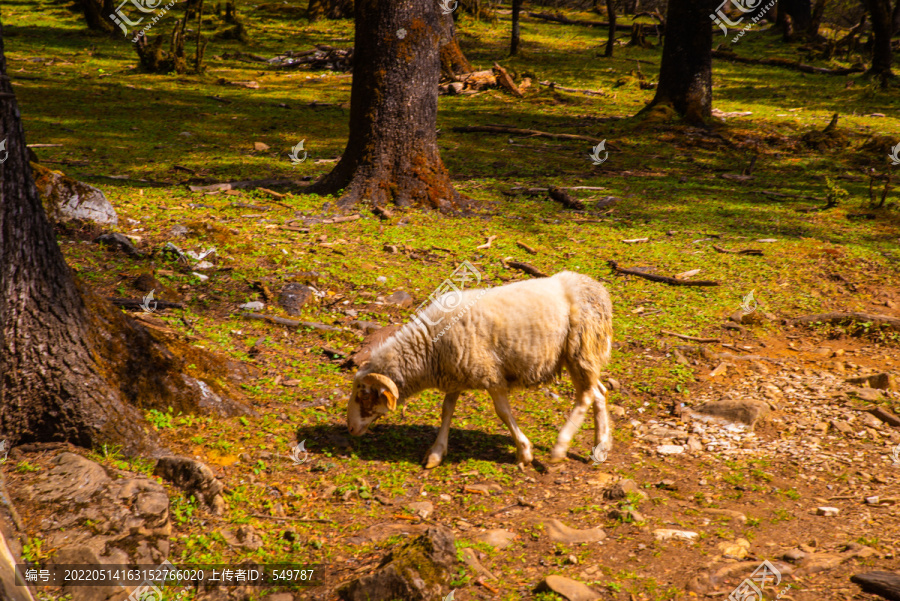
(385, 387)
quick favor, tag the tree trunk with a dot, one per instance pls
(812, 32)
(895, 19)
(799, 12)
(96, 14)
(685, 75)
(392, 153)
(72, 367)
(453, 61)
(611, 42)
(514, 41)
(882, 28)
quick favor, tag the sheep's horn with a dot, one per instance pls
(384, 382)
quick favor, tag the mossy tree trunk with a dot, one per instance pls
(685, 74)
(96, 15)
(882, 29)
(453, 61)
(392, 153)
(72, 367)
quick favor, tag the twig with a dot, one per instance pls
(746, 251)
(291, 322)
(526, 248)
(686, 337)
(660, 278)
(529, 269)
(487, 244)
(502, 129)
(555, 86)
(538, 191)
(564, 198)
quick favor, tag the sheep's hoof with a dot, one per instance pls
(432, 461)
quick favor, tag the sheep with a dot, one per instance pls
(496, 339)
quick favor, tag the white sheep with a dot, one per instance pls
(519, 335)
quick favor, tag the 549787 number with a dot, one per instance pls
(292, 575)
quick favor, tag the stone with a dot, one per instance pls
(293, 297)
(569, 589)
(828, 512)
(455, 87)
(886, 416)
(614, 384)
(560, 533)
(178, 231)
(665, 534)
(794, 555)
(739, 549)
(260, 146)
(400, 299)
(497, 538)
(880, 381)
(417, 571)
(753, 317)
(743, 411)
(470, 559)
(244, 537)
(725, 513)
(253, 306)
(194, 477)
(117, 240)
(600, 479)
(66, 199)
(670, 449)
(422, 509)
(622, 489)
(70, 556)
(868, 394)
(693, 444)
(841, 426)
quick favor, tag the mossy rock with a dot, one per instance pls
(66, 199)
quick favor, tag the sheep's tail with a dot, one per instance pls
(590, 328)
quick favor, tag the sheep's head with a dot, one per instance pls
(373, 395)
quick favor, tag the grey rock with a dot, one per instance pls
(622, 489)
(743, 411)
(294, 297)
(193, 477)
(869, 394)
(418, 571)
(178, 231)
(880, 381)
(423, 509)
(119, 241)
(497, 538)
(253, 306)
(560, 533)
(66, 199)
(568, 588)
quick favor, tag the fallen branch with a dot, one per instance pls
(746, 251)
(555, 86)
(884, 321)
(659, 278)
(137, 304)
(525, 247)
(565, 199)
(502, 129)
(487, 244)
(506, 82)
(291, 322)
(566, 20)
(539, 191)
(785, 63)
(691, 338)
(529, 269)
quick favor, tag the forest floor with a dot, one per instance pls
(143, 139)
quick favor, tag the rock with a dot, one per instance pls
(119, 241)
(614, 384)
(146, 283)
(418, 571)
(400, 299)
(109, 516)
(884, 584)
(178, 231)
(664, 534)
(560, 533)
(260, 146)
(497, 538)
(886, 416)
(726, 513)
(754, 317)
(670, 449)
(70, 556)
(881, 381)
(739, 549)
(371, 341)
(622, 489)
(794, 555)
(568, 589)
(828, 512)
(194, 478)
(626, 515)
(294, 296)
(841, 426)
(693, 444)
(600, 479)
(253, 306)
(616, 410)
(455, 87)
(744, 411)
(868, 394)
(422, 509)
(470, 559)
(244, 537)
(390, 249)
(66, 199)
(667, 484)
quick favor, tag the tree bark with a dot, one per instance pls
(392, 153)
(514, 40)
(453, 61)
(685, 75)
(895, 19)
(882, 29)
(611, 41)
(72, 367)
(812, 32)
(96, 15)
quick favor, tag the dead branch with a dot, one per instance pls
(659, 278)
(556, 86)
(506, 82)
(746, 251)
(502, 129)
(566, 20)
(784, 63)
(884, 321)
(526, 248)
(291, 322)
(565, 199)
(529, 269)
(539, 191)
(686, 337)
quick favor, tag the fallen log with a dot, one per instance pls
(506, 82)
(291, 322)
(884, 321)
(556, 86)
(137, 304)
(785, 63)
(659, 278)
(567, 21)
(565, 199)
(502, 129)
(746, 251)
(884, 584)
(529, 269)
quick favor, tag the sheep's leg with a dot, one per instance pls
(583, 397)
(436, 453)
(523, 446)
(602, 430)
